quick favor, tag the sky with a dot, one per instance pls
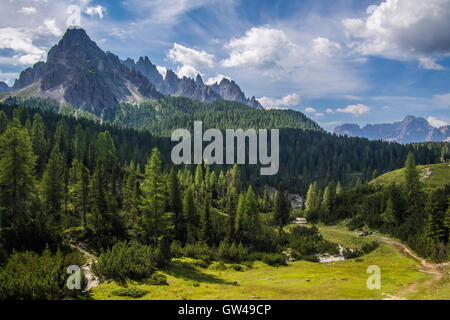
(343, 61)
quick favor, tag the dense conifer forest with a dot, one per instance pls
(67, 180)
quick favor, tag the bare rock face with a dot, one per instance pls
(77, 71)
(410, 130)
(4, 87)
(187, 87)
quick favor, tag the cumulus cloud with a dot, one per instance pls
(290, 100)
(358, 110)
(187, 71)
(162, 70)
(329, 111)
(50, 24)
(21, 43)
(28, 10)
(324, 46)
(429, 64)
(310, 110)
(216, 79)
(97, 10)
(191, 57)
(402, 29)
(436, 122)
(259, 47)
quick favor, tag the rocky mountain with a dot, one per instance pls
(188, 87)
(4, 87)
(410, 130)
(78, 72)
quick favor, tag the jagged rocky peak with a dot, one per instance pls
(199, 81)
(77, 71)
(411, 129)
(4, 87)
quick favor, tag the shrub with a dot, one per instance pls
(274, 259)
(30, 276)
(236, 267)
(157, 279)
(127, 261)
(130, 292)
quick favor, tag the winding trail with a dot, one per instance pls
(426, 267)
(92, 280)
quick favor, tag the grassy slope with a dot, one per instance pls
(336, 280)
(439, 177)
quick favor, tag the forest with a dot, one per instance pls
(70, 181)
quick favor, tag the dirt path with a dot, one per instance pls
(92, 280)
(426, 267)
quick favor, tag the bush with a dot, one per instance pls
(127, 261)
(130, 292)
(157, 280)
(232, 253)
(274, 259)
(237, 267)
(30, 276)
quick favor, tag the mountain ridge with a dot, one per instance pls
(195, 89)
(409, 130)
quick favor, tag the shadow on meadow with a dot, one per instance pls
(186, 271)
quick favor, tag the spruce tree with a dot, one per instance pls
(17, 182)
(79, 193)
(40, 145)
(52, 186)
(176, 205)
(205, 231)
(281, 208)
(154, 224)
(190, 216)
(3, 122)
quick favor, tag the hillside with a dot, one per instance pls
(433, 176)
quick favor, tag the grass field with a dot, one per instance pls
(400, 275)
(432, 176)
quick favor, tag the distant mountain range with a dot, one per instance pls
(78, 72)
(410, 130)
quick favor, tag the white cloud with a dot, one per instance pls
(97, 10)
(28, 10)
(319, 114)
(50, 24)
(310, 110)
(187, 71)
(216, 79)
(191, 57)
(274, 103)
(358, 110)
(162, 70)
(402, 29)
(442, 100)
(329, 111)
(259, 47)
(8, 77)
(429, 64)
(436, 122)
(324, 46)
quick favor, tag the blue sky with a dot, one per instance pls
(338, 61)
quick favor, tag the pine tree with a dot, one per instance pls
(240, 223)
(3, 122)
(102, 220)
(252, 213)
(176, 205)
(52, 186)
(281, 208)
(79, 193)
(40, 145)
(413, 185)
(447, 222)
(154, 224)
(329, 202)
(205, 231)
(389, 215)
(213, 185)
(375, 174)
(190, 216)
(339, 190)
(236, 178)
(312, 198)
(17, 183)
